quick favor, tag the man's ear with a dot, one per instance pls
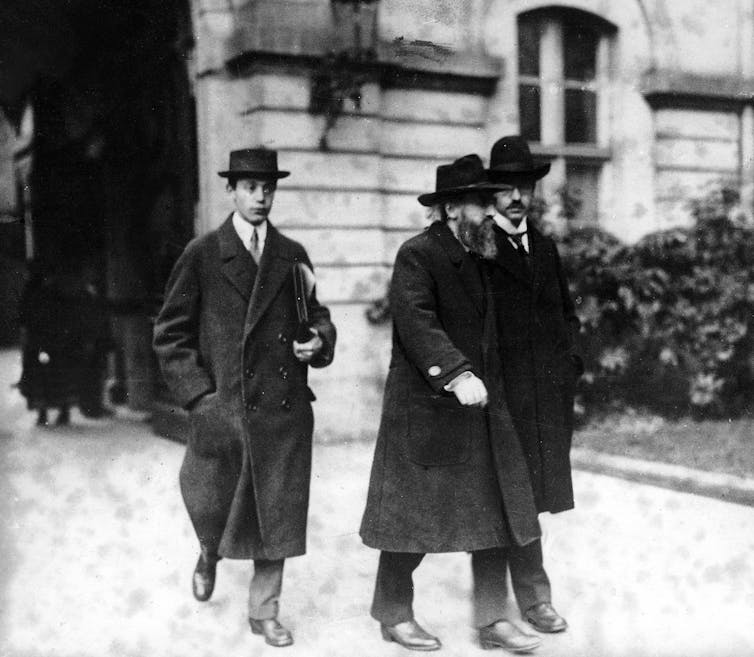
(451, 209)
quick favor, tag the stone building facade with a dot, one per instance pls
(638, 104)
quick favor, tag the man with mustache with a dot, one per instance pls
(537, 328)
(448, 474)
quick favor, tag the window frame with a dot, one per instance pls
(552, 84)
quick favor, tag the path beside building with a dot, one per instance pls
(98, 554)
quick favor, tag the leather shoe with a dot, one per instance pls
(543, 617)
(274, 633)
(504, 634)
(411, 635)
(203, 581)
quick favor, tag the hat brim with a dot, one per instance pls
(432, 198)
(253, 174)
(501, 173)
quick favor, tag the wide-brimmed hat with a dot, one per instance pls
(253, 162)
(510, 157)
(466, 174)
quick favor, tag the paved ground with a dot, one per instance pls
(98, 554)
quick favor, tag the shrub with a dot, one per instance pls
(668, 322)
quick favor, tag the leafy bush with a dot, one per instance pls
(668, 323)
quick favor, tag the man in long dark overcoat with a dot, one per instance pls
(537, 329)
(225, 339)
(448, 474)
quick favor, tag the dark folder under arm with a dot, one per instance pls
(303, 285)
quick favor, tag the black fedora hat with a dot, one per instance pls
(466, 174)
(510, 157)
(253, 162)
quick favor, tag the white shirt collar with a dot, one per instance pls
(507, 225)
(245, 230)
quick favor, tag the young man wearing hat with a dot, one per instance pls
(448, 474)
(225, 342)
(537, 329)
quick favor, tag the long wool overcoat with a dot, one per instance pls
(224, 337)
(537, 329)
(445, 477)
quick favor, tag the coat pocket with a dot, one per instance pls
(214, 429)
(440, 430)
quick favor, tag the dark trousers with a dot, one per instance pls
(394, 587)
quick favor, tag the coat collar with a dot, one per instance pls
(237, 264)
(257, 284)
(275, 266)
(464, 263)
(509, 259)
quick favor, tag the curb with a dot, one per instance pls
(729, 488)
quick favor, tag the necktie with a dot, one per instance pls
(523, 254)
(518, 239)
(254, 246)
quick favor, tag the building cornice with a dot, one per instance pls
(665, 88)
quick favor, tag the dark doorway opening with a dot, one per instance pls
(113, 181)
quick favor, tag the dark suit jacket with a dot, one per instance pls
(537, 328)
(445, 477)
(224, 337)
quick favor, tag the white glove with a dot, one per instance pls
(468, 389)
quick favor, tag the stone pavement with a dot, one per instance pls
(98, 554)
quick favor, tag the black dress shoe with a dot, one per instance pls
(274, 633)
(543, 617)
(411, 635)
(504, 634)
(203, 581)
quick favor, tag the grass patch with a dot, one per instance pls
(725, 446)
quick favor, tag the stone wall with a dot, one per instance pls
(444, 84)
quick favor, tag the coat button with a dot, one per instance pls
(283, 373)
(251, 406)
(282, 338)
(249, 373)
(286, 404)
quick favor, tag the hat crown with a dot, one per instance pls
(253, 159)
(511, 153)
(466, 174)
(510, 156)
(253, 162)
(465, 171)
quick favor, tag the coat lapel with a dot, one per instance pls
(274, 267)
(510, 259)
(467, 268)
(237, 265)
(538, 258)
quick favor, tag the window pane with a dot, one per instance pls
(581, 197)
(529, 111)
(528, 47)
(579, 52)
(580, 116)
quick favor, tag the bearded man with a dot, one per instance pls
(448, 474)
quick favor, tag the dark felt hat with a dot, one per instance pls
(466, 174)
(510, 157)
(254, 162)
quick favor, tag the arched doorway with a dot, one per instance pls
(113, 182)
